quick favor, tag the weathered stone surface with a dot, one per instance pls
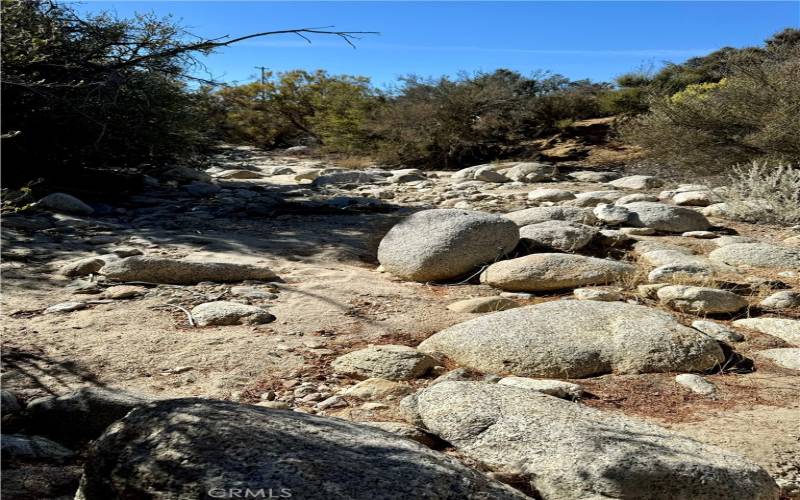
(631, 198)
(696, 198)
(16, 446)
(785, 299)
(182, 272)
(482, 305)
(550, 195)
(594, 198)
(567, 451)
(787, 357)
(696, 384)
(600, 294)
(377, 388)
(83, 414)
(222, 312)
(557, 388)
(239, 174)
(553, 271)
(65, 203)
(64, 307)
(717, 331)
(542, 214)
(488, 174)
(530, 172)
(611, 214)
(445, 243)
(557, 235)
(359, 177)
(82, 267)
(185, 448)
(123, 292)
(783, 328)
(700, 300)
(573, 339)
(637, 182)
(592, 176)
(758, 255)
(666, 218)
(683, 271)
(392, 362)
(404, 430)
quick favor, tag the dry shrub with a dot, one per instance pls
(765, 192)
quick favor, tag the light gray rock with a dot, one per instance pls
(542, 214)
(701, 235)
(594, 198)
(468, 174)
(82, 267)
(391, 362)
(671, 257)
(611, 214)
(121, 292)
(717, 331)
(377, 388)
(183, 272)
(696, 384)
(717, 210)
(592, 176)
(553, 271)
(783, 328)
(530, 172)
(696, 198)
(487, 174)
(565, 450)
(64, 203)
(482, 305)
(787, 357)
(637, 182)
(65, 307)
(666, 218)
(758, 255)
(649, 291)
(557, 388)
(631, 198)
(222, 313)
(16, 446)
(184, 448)
(574, 339)
(445, 243)
(359, 177)
(700, 300)
(550, 195)
(600, 294)
(557, 235)
(239, 174)
(683, 271)
(785, 299)
(83, 414)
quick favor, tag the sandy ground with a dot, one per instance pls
(332, 300)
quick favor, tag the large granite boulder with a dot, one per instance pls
(573, 339)
(445, 243)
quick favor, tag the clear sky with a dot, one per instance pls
(596, 40)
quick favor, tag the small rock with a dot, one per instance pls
(611, 214)
(331, 402)
(15, 446)
(222, 313)
(557, 388)
(695, 198)
(550, 195)
(123, 292)
(392, 362)
(275, 405)
(688, 271)
(66, 203)
(785, 299)
(601, 294)
(696, 384)
(82, 267)
(787, 357)
(482, 305)
(717, 331)
(703, 235)
(700, 300)
(64, 307)
(637, 182)
(783, 328)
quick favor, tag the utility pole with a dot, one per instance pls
(263, 82)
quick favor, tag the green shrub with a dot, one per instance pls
(750, 114)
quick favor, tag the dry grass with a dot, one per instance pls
(765, 192)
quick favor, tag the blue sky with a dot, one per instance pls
(596, 40)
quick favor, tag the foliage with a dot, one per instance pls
(764, 192)
(749, 114)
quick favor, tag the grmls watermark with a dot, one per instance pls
(258, 493)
